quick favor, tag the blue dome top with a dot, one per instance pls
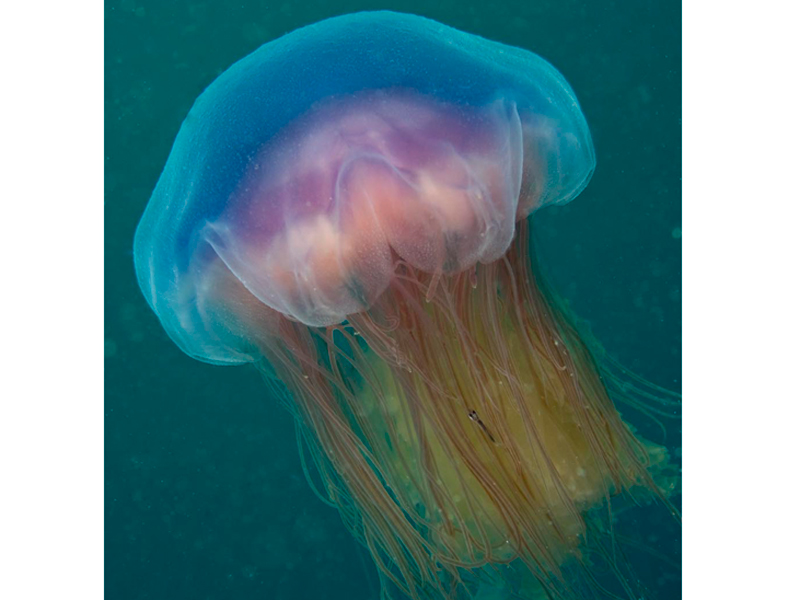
(252, 102)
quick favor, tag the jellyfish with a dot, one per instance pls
(348, 209)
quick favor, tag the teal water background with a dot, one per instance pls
(204, 493)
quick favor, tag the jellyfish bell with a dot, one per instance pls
(347, 209)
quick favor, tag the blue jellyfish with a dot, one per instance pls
(346, 209)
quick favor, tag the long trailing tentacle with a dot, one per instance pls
(465, 421)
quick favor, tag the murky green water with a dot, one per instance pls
(204, 493)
